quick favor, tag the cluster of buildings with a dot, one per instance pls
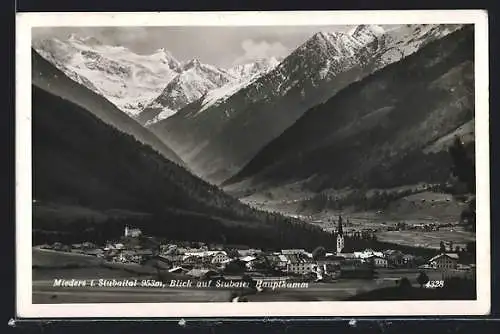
(178, 258)
(424, 227)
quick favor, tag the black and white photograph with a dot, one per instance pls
(243, 163)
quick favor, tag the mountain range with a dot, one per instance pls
(222, 131)
(148, 87)
(390, 129)
(196, 80)
(128, 80)
(47, 77)
(85, 167)
(151, 136)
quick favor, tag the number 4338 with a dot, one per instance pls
(434, 284)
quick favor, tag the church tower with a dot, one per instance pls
(340, 237)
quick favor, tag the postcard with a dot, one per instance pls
(235, 164)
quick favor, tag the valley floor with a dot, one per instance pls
(45, 293)
(414, 211)
(48, 269)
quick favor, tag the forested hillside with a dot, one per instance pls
(49, 78)
(378, 132)
(81, 161)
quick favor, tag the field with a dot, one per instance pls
(50, 265)
(53, 259)
(427, 239)
(421, 208)
(44, 292)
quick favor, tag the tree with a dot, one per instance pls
(404, 283)
(318, 252)
(464, 170)
(471, 247)
(235, 267)
(232, 253)
(463, 165)
(442, 247)
(422, 278)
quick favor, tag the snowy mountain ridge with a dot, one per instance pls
(231, 124)
(128, 80)
(246, 74)
(135, 82)
(201, 80)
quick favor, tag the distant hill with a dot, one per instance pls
(390, 129)
(47, 77)
(80, 161)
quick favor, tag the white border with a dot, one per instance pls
(25, 308)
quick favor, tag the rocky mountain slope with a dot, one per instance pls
(257, 67)
(82, 162)
(128, 80)
(390, 129)
(219, 134)
(195, 80)
(47, 77)
(148, 87)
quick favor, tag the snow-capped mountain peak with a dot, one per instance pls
(344, 44)
(139, 82)
(88, 41)
(73, 37)
(246, 74)
(366, 29)
(366, 34)
(167, 58)
(259, 110)
(193, 63)
(321, 39)
(248, 70)
(193, 82)
(164, 53)
(201, 81)
(128, 80)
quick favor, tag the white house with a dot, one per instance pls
(247, 258)
(301, 268)
(220, 257)
(293, 251)
(282, 261)
(119, 246)
(377, 261)
(246, 252)
(444, 261)
(249, 261)
(132, 232)
(368, 253)
(329, 266)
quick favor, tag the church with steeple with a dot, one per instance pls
(340, 237)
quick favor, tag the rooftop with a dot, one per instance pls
(453, 256)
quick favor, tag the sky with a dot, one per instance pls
(219, 46)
